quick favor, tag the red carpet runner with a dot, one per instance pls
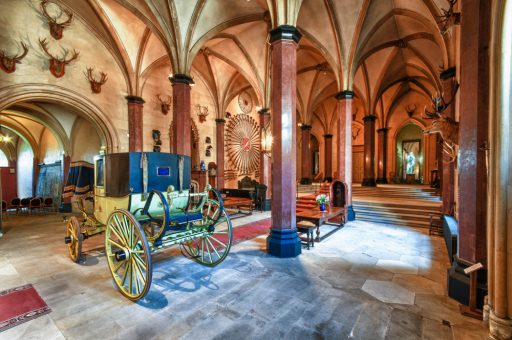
(21, 304)
(251, 230)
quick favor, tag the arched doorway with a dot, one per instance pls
(409, 154)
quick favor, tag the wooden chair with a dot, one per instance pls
(25, 204)
(35, 204)
(4, 208)
(48, 204)
(15, 204)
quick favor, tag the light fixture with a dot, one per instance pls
(266, 139)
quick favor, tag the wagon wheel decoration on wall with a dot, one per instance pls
(243, 144)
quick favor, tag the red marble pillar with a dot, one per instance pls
(328, 157)
(344, 166)
(448, 188)
(382, 155)
(283, 240)
(473, 136)
(220, 152)
(181, 114)
(135, 126)
(369, 151)
(306, 154)
(265, 160)
(474, 108)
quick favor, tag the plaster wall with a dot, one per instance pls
(24, 169)
(49, 149)
(22, 21)
(85, 142)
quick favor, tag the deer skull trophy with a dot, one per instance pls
(56, 28)
(96, 83)
(58, 65)
(445, 126)
(8, 63)
(449, 17)
(165, 105)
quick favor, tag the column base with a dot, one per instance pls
(284, 243)
(267, 204)
(65, 208)
(351, 214)
(458, 285)
(382, 180)
(499, 329)
(369, 182)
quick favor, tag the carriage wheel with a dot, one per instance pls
(128, 255)
(213, 248)
(74, 239)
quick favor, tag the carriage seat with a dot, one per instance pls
(185, 217)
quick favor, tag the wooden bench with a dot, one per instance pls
(238, 202)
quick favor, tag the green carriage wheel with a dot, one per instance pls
(128, 254)
(211, 249)
(74, 239)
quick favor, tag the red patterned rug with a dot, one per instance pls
(248, 231)
(21, 304)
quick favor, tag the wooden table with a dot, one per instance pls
(238, 203)
(319, 218)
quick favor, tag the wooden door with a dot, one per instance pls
(357, 166)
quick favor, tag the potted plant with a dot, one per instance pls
(321, 200)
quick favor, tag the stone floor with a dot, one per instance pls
(366, 281)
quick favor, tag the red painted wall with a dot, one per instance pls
(9, 183)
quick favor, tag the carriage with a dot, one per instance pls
(143, 203)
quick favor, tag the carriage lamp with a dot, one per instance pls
(266, 139)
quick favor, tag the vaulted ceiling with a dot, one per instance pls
(380, 49)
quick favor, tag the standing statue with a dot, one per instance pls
(410, 163)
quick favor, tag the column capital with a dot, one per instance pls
(369, 118)
(264, 111)
(285, 32)
(305, 127)
(181, 79)
(134, 100)
(383, 130)
(344, 95)
(220, 121)
(448, 73)
(328, 136)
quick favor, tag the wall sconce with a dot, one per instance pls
(5, 139)
(266, 139)
(202, 112)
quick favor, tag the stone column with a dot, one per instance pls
(369, 151)
(344, 166)
(382, 156)
(306, 154)
(473, 135)
(35, 171)
(220, 152)
(135, 127)
(328, 156)
(498, 311)
(181, 114)
(448, 189)
(265, 160)
(283, 240)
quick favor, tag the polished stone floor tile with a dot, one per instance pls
(366, 281)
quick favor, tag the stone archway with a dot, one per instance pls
(15, 94)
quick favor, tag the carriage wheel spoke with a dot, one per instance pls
(209, 252)
(219, 242)
(115, 243)
(119, 231)
(214, 249)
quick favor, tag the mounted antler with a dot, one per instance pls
(95, 84)
(58, 65)
(449, 17)
(8, 63)
(410, 109)
(165, 105)
(445, 126)
(202, 112)
(56, 28)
